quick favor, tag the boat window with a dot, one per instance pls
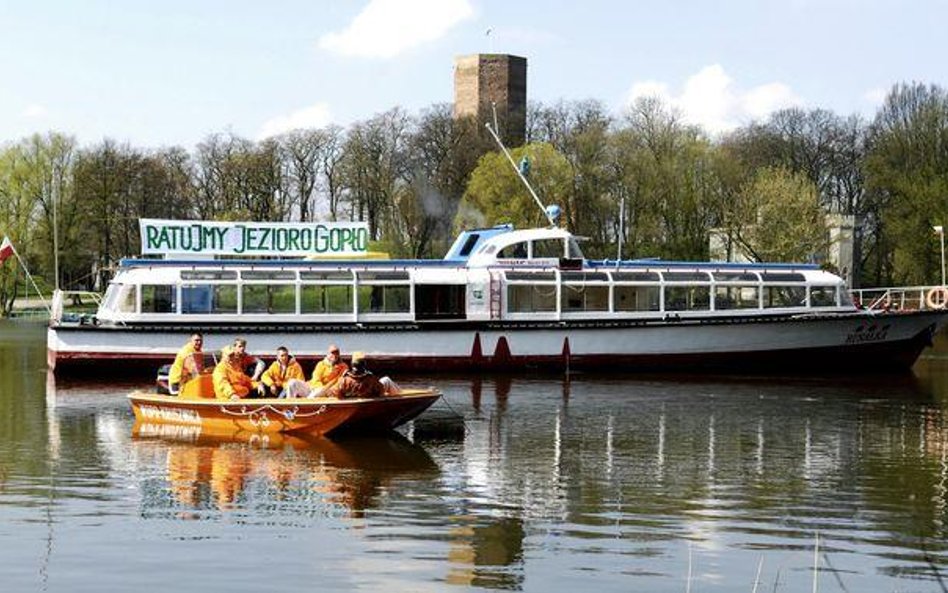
(268, 275)
(158, 298)
(574, 251)
(736, 297)
(637, 298)
(784, 296)
(735, 277)
(325, 299)
(585, 277)
(469, 244)
(531, 276)
(209, 298)
(111, 293)
(635, 276)
(326, 276)
(685, 276)
(527, 298)
(382, 276)
(208, 274)
(822, 296)
(687, 298)
(846, 299)
(488, 249)
(126, 298)
(384, 299)
(268, 298)
(588, 297)
(548, 248)
(515, 251)
(782, 277)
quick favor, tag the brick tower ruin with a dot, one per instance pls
(483, 79)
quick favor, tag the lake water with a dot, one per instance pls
(602, 483)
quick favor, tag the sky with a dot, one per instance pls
(170, 73)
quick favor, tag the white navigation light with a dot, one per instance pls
(553, 213)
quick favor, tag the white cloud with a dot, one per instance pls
(314, 116)
(710, 99)
(35, 111)
(386, 28)
(763, 100)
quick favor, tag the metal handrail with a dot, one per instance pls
(900, 298)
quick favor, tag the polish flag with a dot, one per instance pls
(6, 249)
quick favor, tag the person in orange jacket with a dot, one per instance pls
(281, 371)
(327, 372)
(188, 362)
(230, 381)
(246, 359)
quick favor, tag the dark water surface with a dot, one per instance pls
(591, 484)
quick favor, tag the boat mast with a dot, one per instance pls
(55, 197)
(549, 215)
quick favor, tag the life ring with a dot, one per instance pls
(937, 298)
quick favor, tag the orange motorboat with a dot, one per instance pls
(196, 406)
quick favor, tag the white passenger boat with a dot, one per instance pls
(500, 299)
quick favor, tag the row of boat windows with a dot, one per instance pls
(259, 298)
(528, 298)
(395, 275)
(521, 298)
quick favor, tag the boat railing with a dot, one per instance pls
(74, 306)
(901, 298)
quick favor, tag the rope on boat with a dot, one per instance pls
(258, 416)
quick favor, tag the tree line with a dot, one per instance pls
(415, 179)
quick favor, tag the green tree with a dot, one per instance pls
(907, 175)
(443, 152)
(580, 131)
(777, 217)
(495, 194)
(17, 208)
(375, 171)
(302, 152)
(666, 172)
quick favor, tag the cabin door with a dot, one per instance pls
(496, 296)
(439, 301)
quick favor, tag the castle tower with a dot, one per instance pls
(482, 79)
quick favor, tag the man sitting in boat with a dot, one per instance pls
(230, 380)
(187, 363)
(360, 382)
(280, 372)
(246, 360)
(327, 372)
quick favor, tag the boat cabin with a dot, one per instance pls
(495, 274)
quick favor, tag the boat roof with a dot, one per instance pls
(470, 241)
(605, 264)
(287, 263)
(472, 248)
(599, 264)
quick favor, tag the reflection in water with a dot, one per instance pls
(553, 483)
(487, 555)
(214, 470)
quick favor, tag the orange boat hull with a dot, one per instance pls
(318, 416)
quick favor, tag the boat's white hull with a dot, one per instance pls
(876, 341)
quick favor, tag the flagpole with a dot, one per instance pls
(30, 276)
